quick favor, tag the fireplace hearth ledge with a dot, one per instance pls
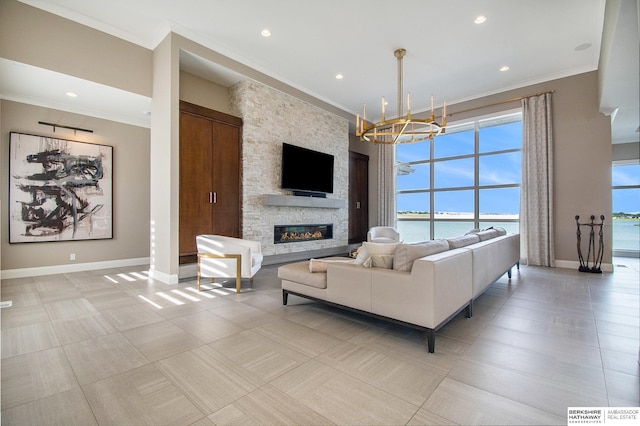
(278, 200)
(297, 256)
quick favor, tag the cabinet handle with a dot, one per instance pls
(357, 204)
(215, 197)
(210, 197)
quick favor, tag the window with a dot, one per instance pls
(467, 178)
(625, 193)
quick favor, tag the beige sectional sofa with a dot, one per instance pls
(428, 283)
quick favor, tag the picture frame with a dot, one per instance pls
(59, 189)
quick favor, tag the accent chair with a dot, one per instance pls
(227, 257)
(383, 234)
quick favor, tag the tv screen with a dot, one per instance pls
(306, 172)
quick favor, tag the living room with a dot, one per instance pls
(145, 174)
(582, 185)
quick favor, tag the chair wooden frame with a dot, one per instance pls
(238, 259)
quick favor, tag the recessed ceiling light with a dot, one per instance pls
(504, 68)
(480, 19)
(339, 76)
(583, 46)
(266, 33)
(72, 95)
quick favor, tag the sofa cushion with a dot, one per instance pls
(406, 254)
(501, 231)
(369, 249)
(320, 265)
(487, 234)
(379, 261)
(463, 241)
(299, 273)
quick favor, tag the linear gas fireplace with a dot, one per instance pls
(297, 233)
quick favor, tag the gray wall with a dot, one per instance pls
(32, 36)
(130, 188)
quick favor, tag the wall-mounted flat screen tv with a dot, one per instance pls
(306, 172)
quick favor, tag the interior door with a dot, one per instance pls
(358, 197)
(226, 180)
(196, 181)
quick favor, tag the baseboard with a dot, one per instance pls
(572, 264)
(626, 253)
(162, 277)
(74, 267)
(187, 271)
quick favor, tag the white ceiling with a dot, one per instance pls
(37, 86)
(448, 55)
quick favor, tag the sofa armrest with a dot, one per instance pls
(492, 258)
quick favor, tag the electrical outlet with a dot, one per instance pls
(72, 256)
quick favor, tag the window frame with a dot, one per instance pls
(621, 252)
(477, 124)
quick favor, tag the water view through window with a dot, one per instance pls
(468, 178)
(625, 203)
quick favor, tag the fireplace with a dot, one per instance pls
(296, 233)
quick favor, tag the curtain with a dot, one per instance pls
(386, 185)
(536, 199)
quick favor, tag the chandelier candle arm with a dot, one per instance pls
(403, 129)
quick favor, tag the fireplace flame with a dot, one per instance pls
(293, 236)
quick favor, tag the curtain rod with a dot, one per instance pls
(64, 127)
(519, 98)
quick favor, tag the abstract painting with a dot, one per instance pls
(59, 190)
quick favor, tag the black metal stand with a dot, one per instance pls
(592, 256)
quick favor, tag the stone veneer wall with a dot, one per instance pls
(271, 118)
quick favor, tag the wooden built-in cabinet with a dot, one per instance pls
(210, 176)
(358, 197)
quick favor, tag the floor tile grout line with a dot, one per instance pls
(475, 338)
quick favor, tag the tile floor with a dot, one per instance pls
(114, 348)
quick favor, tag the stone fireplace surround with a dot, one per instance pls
(267, 116)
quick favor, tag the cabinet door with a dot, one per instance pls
(226, 180)
(358, 197)
(196, 181)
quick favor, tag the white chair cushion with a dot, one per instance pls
(256, 259)
(383, 240)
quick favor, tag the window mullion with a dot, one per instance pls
(431, 187)
(476, 182)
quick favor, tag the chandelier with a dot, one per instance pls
(403, 129)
